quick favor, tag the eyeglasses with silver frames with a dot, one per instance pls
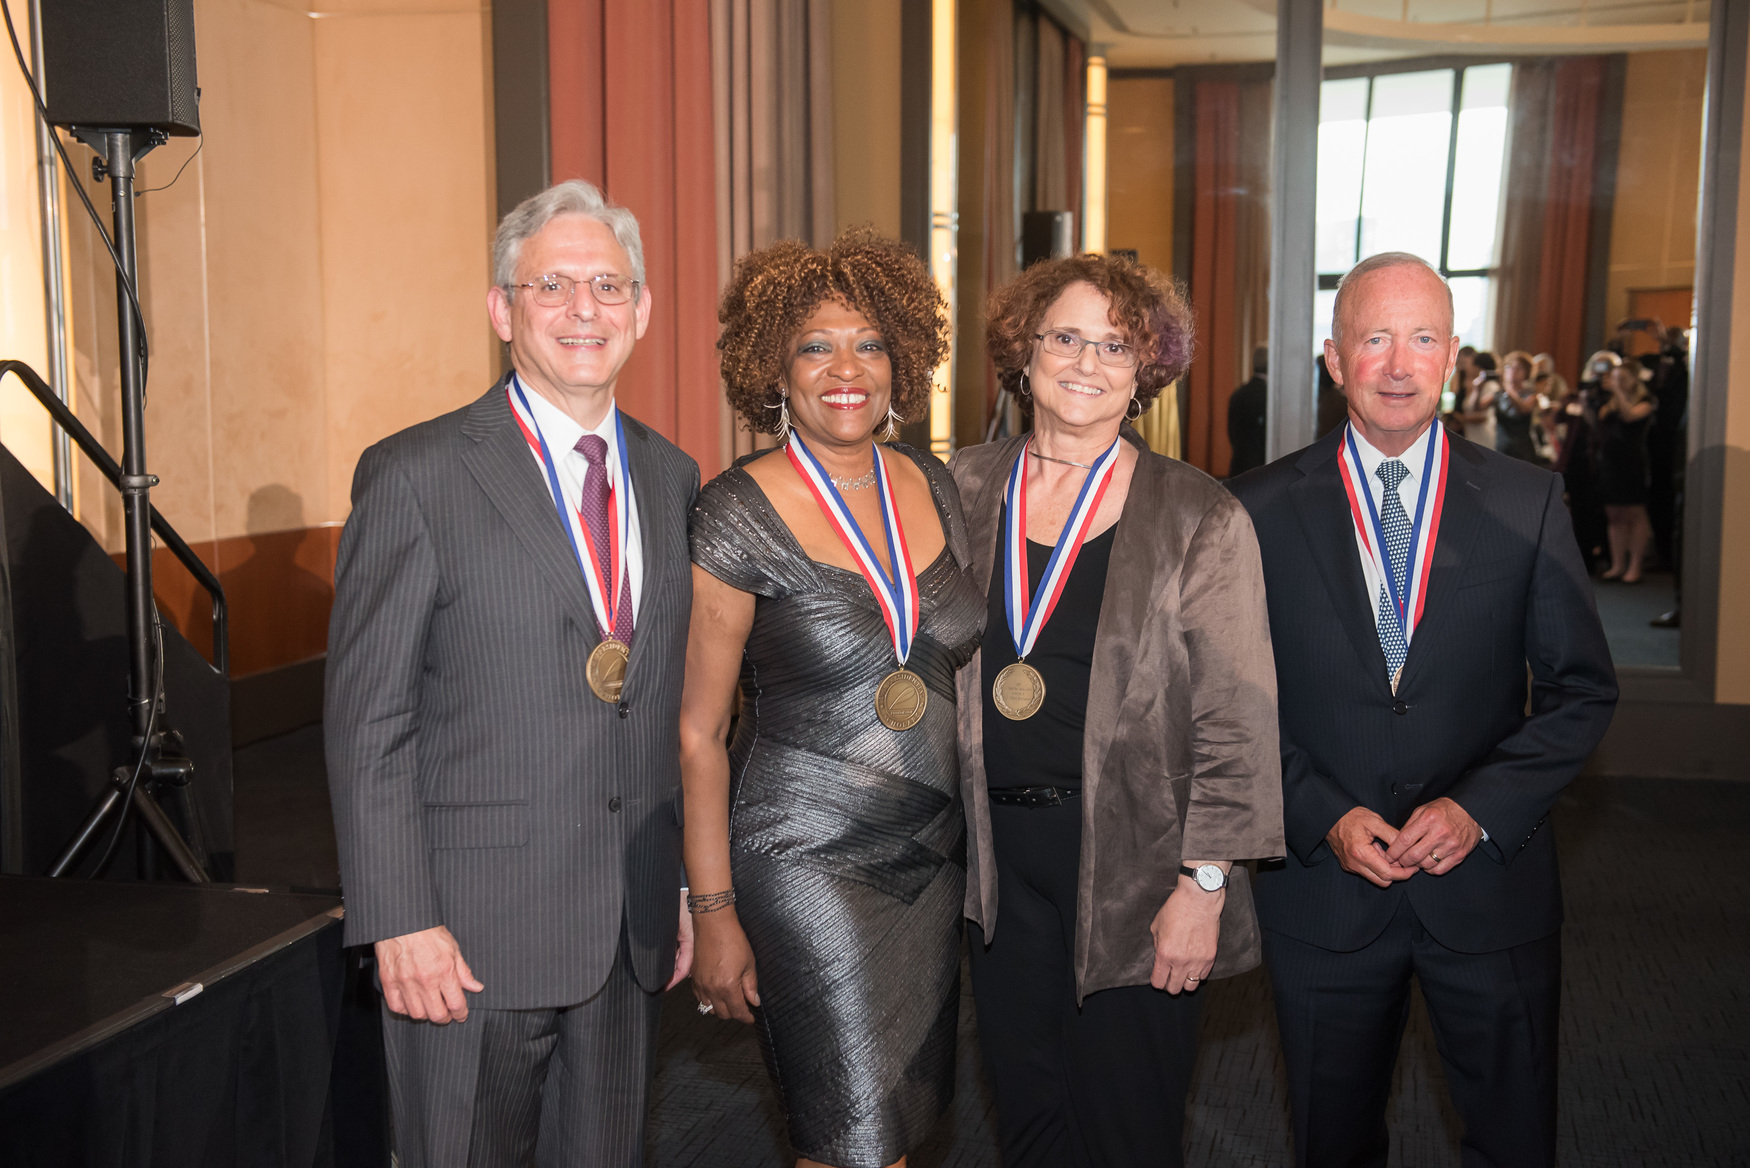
(552, 290)
(1066, 344)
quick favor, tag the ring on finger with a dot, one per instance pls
(706, 1007)
(1435, 856)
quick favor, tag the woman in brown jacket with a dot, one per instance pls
(1117, 730)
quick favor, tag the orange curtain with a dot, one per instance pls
(1214, 255)
(1577, 93)
(629, 96)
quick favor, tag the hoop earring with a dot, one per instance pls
(783, 408)
(1025, 389)
(893, 421)
(1134, 401)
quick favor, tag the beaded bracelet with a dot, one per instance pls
(710, 901)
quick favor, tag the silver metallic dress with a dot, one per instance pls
(847, 840)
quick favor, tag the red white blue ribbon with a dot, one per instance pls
(1430, 498)
(603, 568)
(1027, 615)
(895, 589)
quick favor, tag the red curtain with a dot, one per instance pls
(630, 107)
(1214, 264)
(1577, 92)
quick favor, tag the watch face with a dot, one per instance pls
(1210, 878)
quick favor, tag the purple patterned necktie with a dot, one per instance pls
(595, 517)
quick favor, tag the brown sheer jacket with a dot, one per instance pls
(1180, 754)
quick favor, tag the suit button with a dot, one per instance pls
(614, 803)
(1400, 707)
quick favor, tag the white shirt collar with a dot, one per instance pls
(562, 431)
(1371, 458)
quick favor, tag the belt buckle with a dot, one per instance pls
(1043, 797)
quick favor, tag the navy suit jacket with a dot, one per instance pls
(1507, 688)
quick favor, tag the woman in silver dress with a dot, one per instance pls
(825, 847)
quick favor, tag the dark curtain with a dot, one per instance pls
(1552, 184)
(1230, 255)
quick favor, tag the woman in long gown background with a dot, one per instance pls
(825, 848)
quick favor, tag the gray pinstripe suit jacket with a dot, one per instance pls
(477, 782)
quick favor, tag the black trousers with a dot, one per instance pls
(1100, 1086)
(1342, 1019)
(515, 1088)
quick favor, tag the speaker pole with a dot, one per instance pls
(161, 763)
(136, 483)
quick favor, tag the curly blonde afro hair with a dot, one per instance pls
(1147, 307)
(776, 289)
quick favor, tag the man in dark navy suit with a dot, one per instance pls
(1442, 676)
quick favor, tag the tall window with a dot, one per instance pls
(1398, 172)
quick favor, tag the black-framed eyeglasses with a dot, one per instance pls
(552, 290)
(1063, 344)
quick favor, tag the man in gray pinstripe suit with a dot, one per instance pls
(506, 793)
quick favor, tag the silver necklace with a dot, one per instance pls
(867, 479)
(1059, 461)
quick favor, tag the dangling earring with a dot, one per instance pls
(783, 408)
(1025, 389)
(893, 421)
(1137, 402)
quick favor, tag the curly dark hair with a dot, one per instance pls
(776, 289)
(1147, 306)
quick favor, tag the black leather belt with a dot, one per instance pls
(1032, 796)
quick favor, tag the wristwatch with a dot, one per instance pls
(1209, 877)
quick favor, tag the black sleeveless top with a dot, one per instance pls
(1046, 749)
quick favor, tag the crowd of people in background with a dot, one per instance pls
(1615, 437)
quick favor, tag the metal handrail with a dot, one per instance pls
(94, 450)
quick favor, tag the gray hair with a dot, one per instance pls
(1377, 263)
(575, 197)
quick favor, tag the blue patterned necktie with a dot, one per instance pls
(1396, 523)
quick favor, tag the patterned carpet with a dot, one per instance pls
(1655, 1021)
(1655, 1013)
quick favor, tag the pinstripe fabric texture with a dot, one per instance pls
(477, 782)
(555, 1088)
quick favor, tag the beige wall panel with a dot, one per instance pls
(91, 320)
(1732, 677)
(865, 125)
(1140, 179)
(24, 427)
(264, 264)
(404, 145)
(173, 286)
(1658, 175)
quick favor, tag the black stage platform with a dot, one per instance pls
(178, 1025)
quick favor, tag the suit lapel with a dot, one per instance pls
(1461, 518)
(1322, 505)
(985, 512)
(1125, 604)
(500, 462)
(646, 489)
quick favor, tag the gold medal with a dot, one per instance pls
(1018, 692)
(606, 671)
(900, 699)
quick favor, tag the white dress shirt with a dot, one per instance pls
(562, 433)
(1415, 460)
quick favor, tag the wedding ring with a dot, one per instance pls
(705, 1007)
(1435, 856)
(1190, 979)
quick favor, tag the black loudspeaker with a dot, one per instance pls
(121, 64)
(1047, 235)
